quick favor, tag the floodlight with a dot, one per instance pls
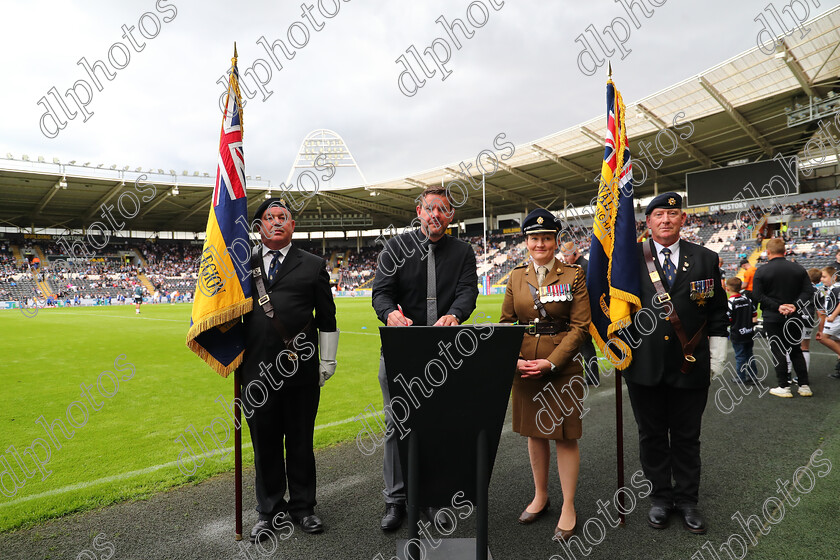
(56, 160)
(24, 157)
(87, 164)
(113, 166)
(125, 168)
(72, 162)
(9, 156)
(40, 159)
(139, 169)
(259, 177)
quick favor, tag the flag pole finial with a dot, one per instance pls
(234, 50)
(609, 68)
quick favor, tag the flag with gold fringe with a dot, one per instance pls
(223, 288)
(613, 280)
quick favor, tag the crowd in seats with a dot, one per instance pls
(359, 269)
(815, 209)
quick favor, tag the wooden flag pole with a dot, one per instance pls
(237, 451)
(619, 442)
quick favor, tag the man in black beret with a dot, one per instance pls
(290, 349)
(669, 377)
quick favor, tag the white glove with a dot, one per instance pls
(717, 350)
(328, 345)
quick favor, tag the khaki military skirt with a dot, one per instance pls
(537, 412)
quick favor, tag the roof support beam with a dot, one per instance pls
(737, 117)
(491, 188)
(547, 187)
(103, 200)
(43, 202)
(570, 165)
(684, 144)
(796, 69)
(592, 136)
(162, 197)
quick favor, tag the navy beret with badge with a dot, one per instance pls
(270, 202)
(670, 200)
(541, 221)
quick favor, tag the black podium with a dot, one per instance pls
(449, 392)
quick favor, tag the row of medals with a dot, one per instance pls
(555, 292)
(701, 290)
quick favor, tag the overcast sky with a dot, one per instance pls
(518, 74)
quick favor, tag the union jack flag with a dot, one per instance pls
(613, 279)
(223, 289)
(230, 174)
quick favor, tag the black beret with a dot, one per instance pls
(278, 202)
(541, 221)
(664, 200)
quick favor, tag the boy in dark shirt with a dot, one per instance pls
(742, 315)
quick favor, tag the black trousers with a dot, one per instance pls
(784, 341)
(286, 420)
(669, 440)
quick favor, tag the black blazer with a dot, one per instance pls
(658, 357)
(301, 288)
(781, 281)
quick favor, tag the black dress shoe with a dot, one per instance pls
(441, 522)
(692, 518)
(658, 516)
(393, 518)
(309, 523)
(262, 530)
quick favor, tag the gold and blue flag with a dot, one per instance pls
(613, 280)
(223, 288)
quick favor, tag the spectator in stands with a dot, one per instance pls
(783, 287)
(828, 332)
(749, 275)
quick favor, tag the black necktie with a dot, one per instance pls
(431, 288)
(668, 266)
(274, 266)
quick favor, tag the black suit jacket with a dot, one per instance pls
(658, 357)
(781, 281)
(301, 289)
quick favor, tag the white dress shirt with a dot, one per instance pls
(266, 256)
(675, 253)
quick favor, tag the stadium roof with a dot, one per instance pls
(738, 110)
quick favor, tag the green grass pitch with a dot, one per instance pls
(127, 448)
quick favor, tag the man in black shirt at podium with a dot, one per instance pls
(424, 277)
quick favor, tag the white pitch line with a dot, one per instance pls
(133, 317)
(131, 474)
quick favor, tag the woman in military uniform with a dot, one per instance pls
(548, 387)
